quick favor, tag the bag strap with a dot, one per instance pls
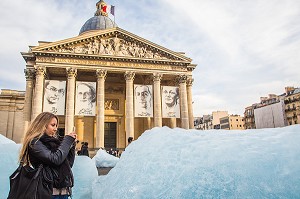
(27, 157)
(38, 172)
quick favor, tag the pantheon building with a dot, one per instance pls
(106, 82)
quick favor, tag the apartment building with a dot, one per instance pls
(292, 105)
(249, 117)
(232, 122)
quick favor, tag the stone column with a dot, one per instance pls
(39, 90)
(148, 123)
(69, 121)
(29, 74)
(189, 84)
(157, 100)
(173, 122)
(80, 128)
(183, 102)
(129, 120)
(101, 75)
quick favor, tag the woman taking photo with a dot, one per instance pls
(42, 145)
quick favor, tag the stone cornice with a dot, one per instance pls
(103, 63)
(53, 55)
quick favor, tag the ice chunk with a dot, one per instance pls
(9, 153)
(85, 172)
(5, 140)
(103, 159)
(177, 163)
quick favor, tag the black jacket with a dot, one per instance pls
(84, 150)
(40, 153)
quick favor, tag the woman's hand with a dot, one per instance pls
(73, 134)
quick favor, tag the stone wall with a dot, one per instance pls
(11, 114)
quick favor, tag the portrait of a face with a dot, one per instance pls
(143, 100)
(85, 98)
(170, 102)
(54, 96)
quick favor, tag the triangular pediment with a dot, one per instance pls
(115, 42)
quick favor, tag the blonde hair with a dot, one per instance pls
(35, 130)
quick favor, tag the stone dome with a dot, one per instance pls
(97, 23)
(100, 21)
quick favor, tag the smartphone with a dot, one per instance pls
(74, 128)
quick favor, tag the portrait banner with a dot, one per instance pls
(54, 97)
(85, 98)
(143, 101)
(170, 102)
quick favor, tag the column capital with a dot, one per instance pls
(157, 77)
(101, 73)
(71, 72)
(40, 70)
(189, 81)
(129, 75)
(181, 79)
(29, 74)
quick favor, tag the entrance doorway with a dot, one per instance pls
(110, 135)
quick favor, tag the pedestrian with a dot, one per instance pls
(85, 149)
(130, 139)
(42, 145)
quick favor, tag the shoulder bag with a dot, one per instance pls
(29, 183)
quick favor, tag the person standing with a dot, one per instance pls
(42, 145)
(85, 149)
(130, 139)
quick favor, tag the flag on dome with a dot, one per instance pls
(109, 9)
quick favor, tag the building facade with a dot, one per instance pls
(249, 117)
(204, 123)
(11, 114)
(232, 122)
(108, 83)
(274, 110)
(271, 115)
(292, 105)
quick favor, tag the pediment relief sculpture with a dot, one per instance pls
(115, 47)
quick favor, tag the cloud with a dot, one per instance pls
(252, 45)
(243, 49)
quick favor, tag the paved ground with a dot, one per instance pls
(104, 170)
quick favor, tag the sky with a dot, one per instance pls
(178, 163)
(244, 50)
